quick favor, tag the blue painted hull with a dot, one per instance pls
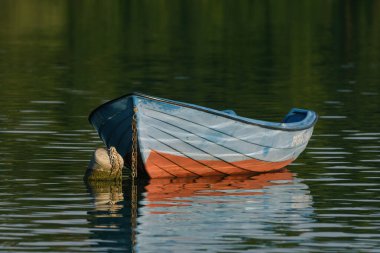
(177, 139)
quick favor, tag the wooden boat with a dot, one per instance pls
(167, 138)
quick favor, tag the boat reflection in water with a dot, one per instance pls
(112, 219)
(222, 213)
(174, 192)
(218, 213)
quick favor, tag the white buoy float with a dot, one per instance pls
(105, 165)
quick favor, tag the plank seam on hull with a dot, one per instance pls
(264, 167)
(163, 168)
(203, 139)
(204, 151)
(175, 116)
(218, 171)
(194, 135)
(158, 153)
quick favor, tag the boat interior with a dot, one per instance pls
(295, 115)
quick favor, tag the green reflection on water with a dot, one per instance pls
(60, 59)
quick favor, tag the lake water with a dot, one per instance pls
(60, 59)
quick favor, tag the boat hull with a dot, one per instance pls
(183, 140)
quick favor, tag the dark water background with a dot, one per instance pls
(60, 59)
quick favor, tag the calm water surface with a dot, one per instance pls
(60, 59)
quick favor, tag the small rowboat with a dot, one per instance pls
(163, 138)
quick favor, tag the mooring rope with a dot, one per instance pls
(116, 163)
